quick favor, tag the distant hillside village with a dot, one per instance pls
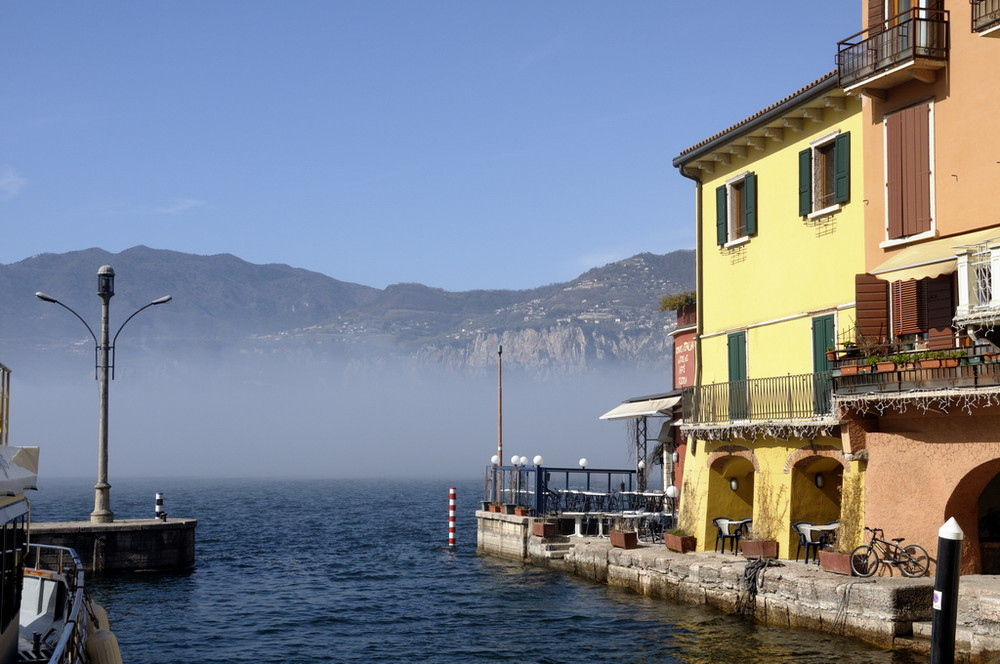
(842, 360)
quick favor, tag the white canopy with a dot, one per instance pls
(644, 408)
(18, 469)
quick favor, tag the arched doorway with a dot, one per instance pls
(730, 488)
(817, 483)
(975, 504)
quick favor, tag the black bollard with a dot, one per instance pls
(944, 617)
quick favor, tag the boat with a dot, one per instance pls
(46, 615)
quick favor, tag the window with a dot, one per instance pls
(908, 173)
(736, 209)
(825, 174)
(922, 311)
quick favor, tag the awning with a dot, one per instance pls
(636, 409)
(18, 469)
(930, 259)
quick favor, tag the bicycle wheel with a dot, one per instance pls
(914, 562)
(864, 560)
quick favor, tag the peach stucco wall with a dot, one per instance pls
(966, 142)
(925, 468)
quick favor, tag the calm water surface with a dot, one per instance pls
(359, 571)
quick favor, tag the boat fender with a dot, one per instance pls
(102, 648)
(100, 620)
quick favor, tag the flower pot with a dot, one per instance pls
(759, 548)
(849, 370)
(831, 356)
(838, 563)
(543, 529)
(883, 367)
(929, 364)
(680, 543)
(494, 507)
(626, 540)
(522, 511)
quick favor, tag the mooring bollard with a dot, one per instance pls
(944, 618)
(451, 516)
(158, 510)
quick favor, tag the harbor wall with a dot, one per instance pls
(882, 611)
(133, 545)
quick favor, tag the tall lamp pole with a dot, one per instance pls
(499, 420)
(105, 290)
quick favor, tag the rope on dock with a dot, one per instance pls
(752, 577)
(840, 620)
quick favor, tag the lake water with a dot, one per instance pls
(303, 571)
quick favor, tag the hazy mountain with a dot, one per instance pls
(607, 316)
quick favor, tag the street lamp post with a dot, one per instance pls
(105, 290)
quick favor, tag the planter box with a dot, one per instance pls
(543, 529)
(624, 540)
(838, 563)
(522, 511)
(494, 507)
(884, 367)
(680, 543)
(849, 370)
(759, 548)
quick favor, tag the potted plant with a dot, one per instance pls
(837, 557)
(761, 541)
(679, 540)
(522, 511)
(623, 534)
(542, 528)
(881, 363)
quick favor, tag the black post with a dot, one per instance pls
(540, 496)
(945, 615)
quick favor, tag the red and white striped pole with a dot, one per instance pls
(451, 516)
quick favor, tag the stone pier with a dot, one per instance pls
(129, 545)
(892, 612)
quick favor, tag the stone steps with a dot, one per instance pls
(963, 634)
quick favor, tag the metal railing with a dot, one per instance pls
(985, 14)
(781, 398)
(541, 488)
(915, 33)
(973, 372)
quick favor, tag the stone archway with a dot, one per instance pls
(975, 504)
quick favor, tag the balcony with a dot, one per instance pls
(955, 377)
(781, 407)
(986, 17)
(978, 270)
(912, 45)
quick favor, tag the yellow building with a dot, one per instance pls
(780, 237)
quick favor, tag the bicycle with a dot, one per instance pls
(911, 560)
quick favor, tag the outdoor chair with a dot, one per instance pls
(723, 533)
(804, 530)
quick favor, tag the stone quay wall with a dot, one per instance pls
(131, 545)
(887, 611)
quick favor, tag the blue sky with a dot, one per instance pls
(461, 144)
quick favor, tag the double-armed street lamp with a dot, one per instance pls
(105, 290)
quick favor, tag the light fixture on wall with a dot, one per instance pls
(819, 481)
(734, 484)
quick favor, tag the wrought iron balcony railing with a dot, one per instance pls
(916, 40)
(803, 397)
(985, 15)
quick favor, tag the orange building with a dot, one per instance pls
(927, 73)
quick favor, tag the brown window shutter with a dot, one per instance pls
(894, 175)
(908, 171)
(871, 313)
(940, 311)
(875, 16)
(907, 307)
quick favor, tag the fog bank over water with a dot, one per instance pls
(231, 414)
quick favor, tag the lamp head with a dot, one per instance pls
(162, 300)
(105, 281)
(46, 298)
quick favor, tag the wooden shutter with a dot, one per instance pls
(871, 296)
(737, 347)
(750, 203)
(907, 307)
(842, 168)
(940, 311)
(805, 182)
(908, 171)
(876, 16)
(721, 216)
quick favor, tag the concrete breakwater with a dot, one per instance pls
(130, 545)
(890, 612)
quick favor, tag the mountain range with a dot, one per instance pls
(605, 317)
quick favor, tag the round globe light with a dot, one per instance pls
(523, 461)
(514, 459)
(672, 491)
(494, 459)
(538, 460)
(583, 462)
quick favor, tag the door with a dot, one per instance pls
(822, 339)
(737, 347)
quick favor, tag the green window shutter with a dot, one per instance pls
(842, 168)
(750, 203)
(721, 216)
(805, 182)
